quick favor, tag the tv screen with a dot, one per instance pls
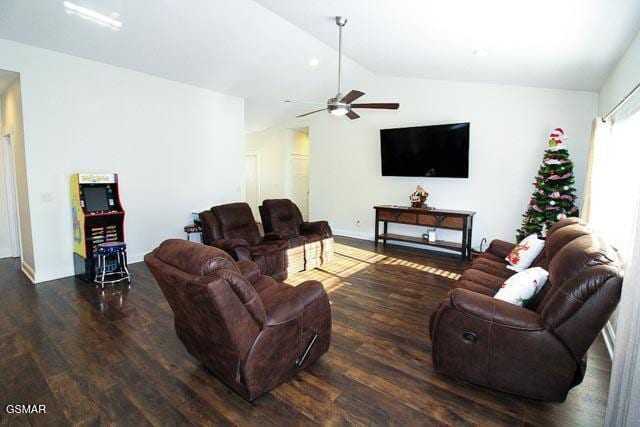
(430, 151)
(95, 199)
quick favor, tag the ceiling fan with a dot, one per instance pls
(342, 105)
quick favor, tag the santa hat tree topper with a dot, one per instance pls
(554, 196)
(556, 139)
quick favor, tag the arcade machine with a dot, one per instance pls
(98, 217)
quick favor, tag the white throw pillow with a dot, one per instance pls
(522, 256)
(523, 286)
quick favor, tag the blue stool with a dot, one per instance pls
(116, 273)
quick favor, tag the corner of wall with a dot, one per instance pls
(28, 270)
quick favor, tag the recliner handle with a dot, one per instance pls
(300, 360)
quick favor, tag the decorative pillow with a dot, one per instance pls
(523, 286)
(523, 255)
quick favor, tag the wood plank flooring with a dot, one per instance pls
(115, 358)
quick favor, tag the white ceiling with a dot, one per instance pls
(232, 46)
(260, 49)
(567, 44)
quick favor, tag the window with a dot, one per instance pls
(616, 182)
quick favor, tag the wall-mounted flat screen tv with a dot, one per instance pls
(440, 151)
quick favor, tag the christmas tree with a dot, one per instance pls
(554, 195)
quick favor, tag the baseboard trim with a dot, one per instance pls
(609, 336)
(28, 271)
(47, 276)
(354, 234)
(133, 258)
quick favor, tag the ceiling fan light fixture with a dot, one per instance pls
(338, 110)
(336, 107)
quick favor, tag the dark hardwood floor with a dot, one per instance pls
(115, 359)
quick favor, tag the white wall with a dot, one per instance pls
(509, 132)
(270, 143)
(12, 124)
(298, 144)
(275, 146)
(176, 148)
(624, 77)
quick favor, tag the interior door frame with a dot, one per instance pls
(255, 154)
(11, 186)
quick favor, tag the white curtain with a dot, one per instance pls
(600, 133)
(623, 406)
(613, 181)
(615, 211)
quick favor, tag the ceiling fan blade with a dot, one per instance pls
(352, 115)
(378, 105)
(289, 101)
(311, 112)
(351, 96)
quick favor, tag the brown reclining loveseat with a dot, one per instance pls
(310, 244)
(540, 350)
(252, 332)
(233, 229)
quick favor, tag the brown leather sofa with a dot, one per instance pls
(538, 351)
(232, 228)
(310, 244)
(251, 331)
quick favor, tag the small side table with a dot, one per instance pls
(193, 229)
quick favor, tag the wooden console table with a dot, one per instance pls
(438, 218)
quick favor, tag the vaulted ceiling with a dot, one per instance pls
(567, 44)
(260, 50)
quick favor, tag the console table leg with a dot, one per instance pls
(465, 235)
(469, 238)
(375, 238)
(384, 240)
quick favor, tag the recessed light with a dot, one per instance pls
(480, 52)
(91, 15)
(313, 62)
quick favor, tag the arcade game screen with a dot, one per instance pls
(96, 199)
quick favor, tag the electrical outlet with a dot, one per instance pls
(46, 197)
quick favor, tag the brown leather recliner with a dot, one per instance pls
(310, 244)
(232, 228)
(538, 351)
(252, 332)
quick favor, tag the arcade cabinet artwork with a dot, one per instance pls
(98, 217)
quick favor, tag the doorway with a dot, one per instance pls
(252, 183)
(10, 190)
(300, 182)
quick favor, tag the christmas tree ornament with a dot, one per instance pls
(553, 197)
